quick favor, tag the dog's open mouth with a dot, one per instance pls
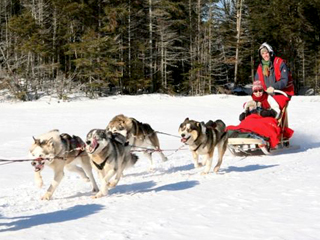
(38, 164)
(184, 139)
(93, 146)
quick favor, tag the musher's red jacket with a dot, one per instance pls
(279, 78)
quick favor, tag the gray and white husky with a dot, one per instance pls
(110, 155)
(137, 134)
(202, 140)
(59, 151)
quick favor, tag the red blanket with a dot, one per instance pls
(266, 127)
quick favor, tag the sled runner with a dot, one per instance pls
(257, 135)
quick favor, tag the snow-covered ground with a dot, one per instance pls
(275, 197)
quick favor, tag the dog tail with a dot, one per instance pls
(220, 125)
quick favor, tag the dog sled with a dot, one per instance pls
(257, 135)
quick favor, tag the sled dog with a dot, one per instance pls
(137, 134)
(60, 151)
(202, 140)
(110, 155)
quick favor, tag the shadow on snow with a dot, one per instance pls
(248, 168)
(69, 214)
(150, 186)
(159, 171)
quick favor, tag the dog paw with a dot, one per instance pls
(98, 195)
(112, 184)
(95, 190)
(204, 173)
(47, 196)
(198, 165)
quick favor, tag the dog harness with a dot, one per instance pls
(101, 165)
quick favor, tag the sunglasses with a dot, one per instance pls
(255, 91)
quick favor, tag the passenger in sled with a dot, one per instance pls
(261, 103)
(265, 120)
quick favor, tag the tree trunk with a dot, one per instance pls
(303, 67)
(129, 42)
(191, 77)
(150, 47)
(198, 44)
(209, 47)
(239, 11)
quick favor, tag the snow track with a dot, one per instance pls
(273, 197)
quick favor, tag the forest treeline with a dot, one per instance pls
(187, 47)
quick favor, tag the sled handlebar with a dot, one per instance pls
(281, 92)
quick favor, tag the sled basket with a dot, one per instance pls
(247, 143)
(250, 143)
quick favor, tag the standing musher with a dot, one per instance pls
(273, 73)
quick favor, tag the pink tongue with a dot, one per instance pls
(183, 140)
(93, 145)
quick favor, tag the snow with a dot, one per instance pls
(275, 197)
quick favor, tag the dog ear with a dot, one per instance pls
(211, 124)
(127, 122)
(50, 142)
(187, 119)
(36, 141)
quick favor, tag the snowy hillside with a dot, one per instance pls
(275, 197)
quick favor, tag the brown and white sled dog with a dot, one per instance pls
(110, 155)
(202, 140)
(137, 134)
(59, 151)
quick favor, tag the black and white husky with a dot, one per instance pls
(138, 134)
(110, 155)
(202, 140)
(59, 151)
